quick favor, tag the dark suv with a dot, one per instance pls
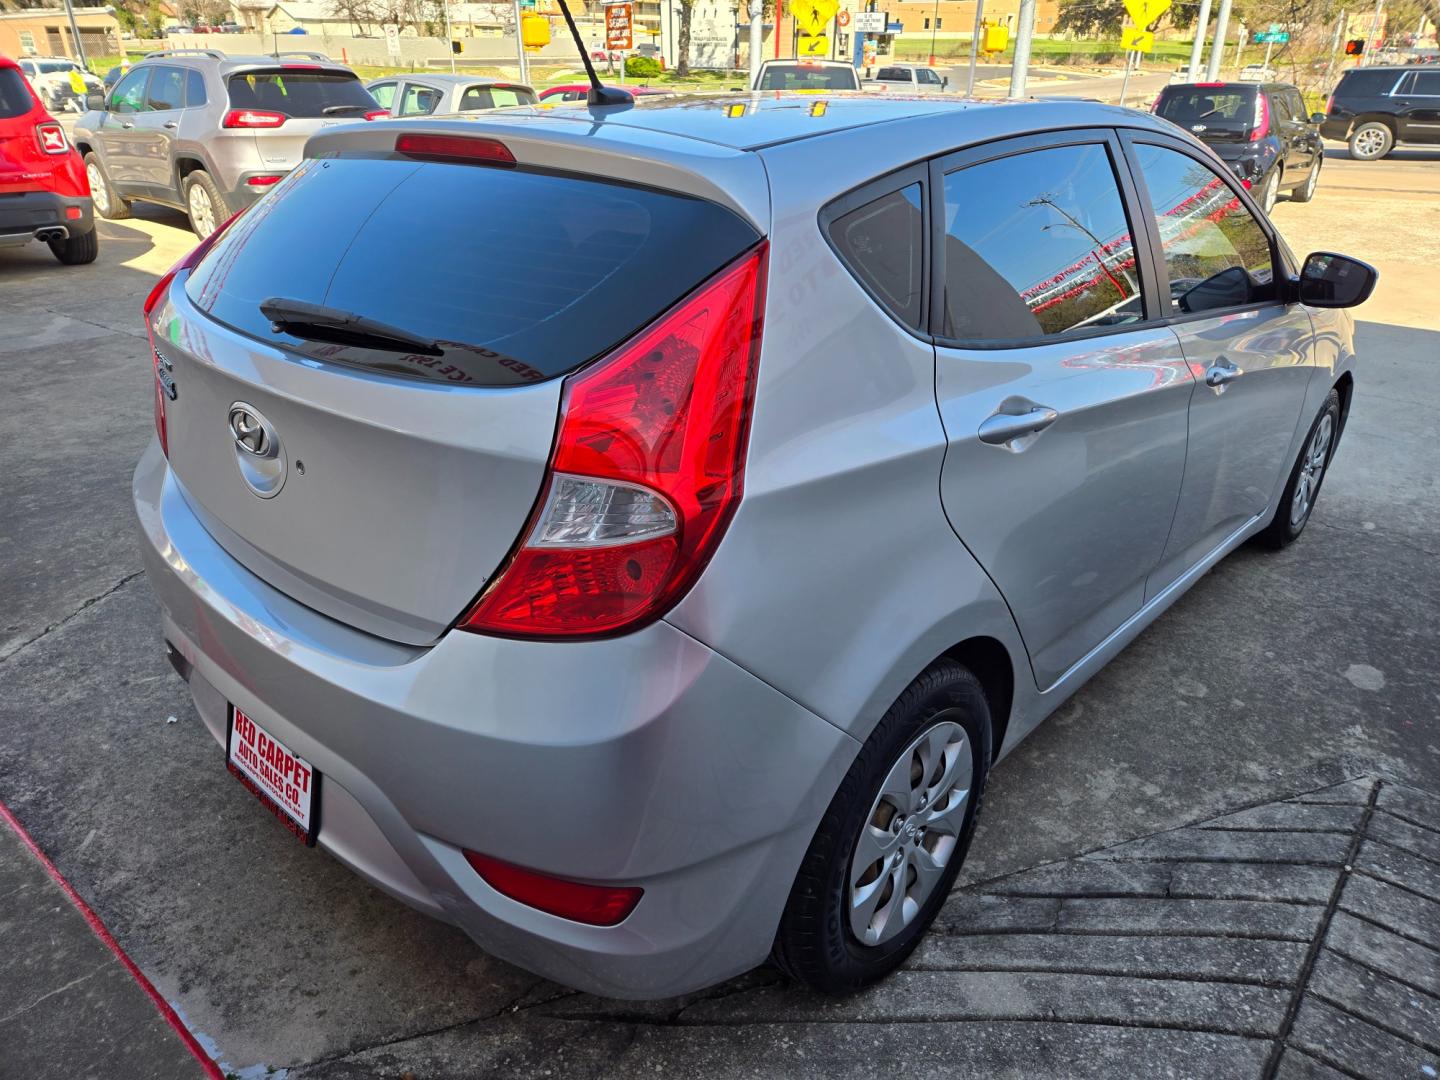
(1260, 130)
(209, 133)
(1374, 108)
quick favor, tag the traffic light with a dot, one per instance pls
(1355, 47)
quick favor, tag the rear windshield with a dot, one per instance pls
(1358, 82)
(808, 78)
(516, 277)
(14, 94)
(495, 97)
(301, 93)
(1214, 106)
(894, 74)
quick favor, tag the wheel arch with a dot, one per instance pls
(185, 164)
(990, 662)
(1345, 386)
(84, 146)
(1372, 118)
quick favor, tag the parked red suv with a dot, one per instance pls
(43, 191)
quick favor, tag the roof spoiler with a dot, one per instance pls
(213, 54)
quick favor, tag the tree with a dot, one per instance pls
(682, 45)
(1105, 18)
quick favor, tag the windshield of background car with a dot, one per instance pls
(1217, 107)
(526, 276)
(51, 67)
(300, 93)
(14, 95)
(808, 78)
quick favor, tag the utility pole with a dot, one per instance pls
(1025, 32)
(450, 37)
(1217, 50)
(1370, 37)
(1240, 39)
(75, 36)
(1334, 48)
(757, 31)
(934, 29)
(975, 46)
(1202, 23)
(1125, 82)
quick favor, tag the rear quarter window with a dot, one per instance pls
(883, 244)
(539, 273)
(1361, 83)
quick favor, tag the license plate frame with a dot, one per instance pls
(306, 829)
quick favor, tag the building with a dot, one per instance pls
(46, 32)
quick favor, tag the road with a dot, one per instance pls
(1277, 674)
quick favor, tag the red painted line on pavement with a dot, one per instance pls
(211, 1069)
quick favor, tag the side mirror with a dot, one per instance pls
(1335, 281)
(944, 81)
(1318, 118)
(94, 100)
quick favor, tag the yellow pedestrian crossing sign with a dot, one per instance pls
(1132, 37)
(1145, 12)
(813, 45)
(813, 16)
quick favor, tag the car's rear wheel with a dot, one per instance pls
(204, 202)
(1270, 190)
(1372, 141)
(893, 838)
(1306, 191)
(1303, 488)
(77, 248)
(102, 193)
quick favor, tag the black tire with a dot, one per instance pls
(108, 203)
(78, 248)
(201, 179)
(1284, 528)
(1371, 141)
(1306, 191)
(816, 944)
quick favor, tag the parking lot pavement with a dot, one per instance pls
(1278, 674)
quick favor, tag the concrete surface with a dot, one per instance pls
(1277, 674)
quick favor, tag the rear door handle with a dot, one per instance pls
(126, 124)
(1002, 428)
(1221, 372)
(171, 124)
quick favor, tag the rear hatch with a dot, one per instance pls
(286, 104)
(409, 465)
(1216, 114)
(22, 166)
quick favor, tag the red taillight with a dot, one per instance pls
(378, 114)
(596, 905)
(462, 148)
(263, 181)
(1262, 118)
(164, 385)
(252, 118)
(52, 138)
(647, 471)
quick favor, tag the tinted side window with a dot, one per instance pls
(493, 97)
(194, 89)
(883, 244)
(129, 93)
(1216, 253)
(14, 94)
(1360, 83)
(166, 91)
(1427, 84)
(1037, 244)
(418, 100)
(1281, 104)
(900, 74)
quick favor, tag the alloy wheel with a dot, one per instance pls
(1312, 180)
(202, 212)
(911, 832)
(1312, 470)
(1370, 142)
(1271, 190)
(99, 190)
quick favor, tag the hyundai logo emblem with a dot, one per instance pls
(258, 452)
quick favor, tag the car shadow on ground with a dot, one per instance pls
(1400, 153)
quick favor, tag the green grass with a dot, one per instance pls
(1043, 51)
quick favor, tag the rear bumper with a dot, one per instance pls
(23, 214)
(646, 760)
(1337, 128)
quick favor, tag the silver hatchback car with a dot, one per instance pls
(648, 585)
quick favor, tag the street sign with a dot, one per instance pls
(617, 27)
(1273, 37)
(1144, 12)
(1133, 37)
(870, 22)
(392, 40)
(813, 16)
(813, 45)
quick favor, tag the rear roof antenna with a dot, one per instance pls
(598, 95)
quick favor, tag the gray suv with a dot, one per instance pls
(209, 133)
(587, 589)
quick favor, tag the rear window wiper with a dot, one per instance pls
(317, 322)
(336, 110)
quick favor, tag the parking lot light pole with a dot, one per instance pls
(1217, 47)
(520, 46)
(757, 32)
(1197, 47)
(975, 46)
(1024, 33)
(75, 35)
